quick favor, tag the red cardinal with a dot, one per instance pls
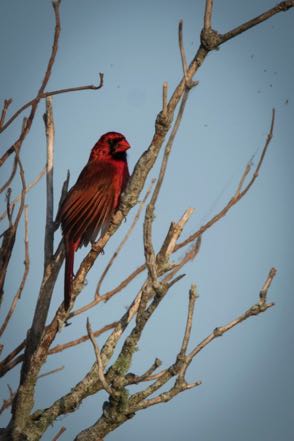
(91, 202)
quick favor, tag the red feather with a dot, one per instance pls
(91, 202)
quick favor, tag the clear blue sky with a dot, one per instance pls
(247, 391)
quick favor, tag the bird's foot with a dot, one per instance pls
(97, 248)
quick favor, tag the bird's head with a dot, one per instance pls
(111, 145)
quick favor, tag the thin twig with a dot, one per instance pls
(182, 50)
(24, 277)
(105, 297)
(264, 290)
(164, 397)
(53, 371)
(6, 104)
(282, 6)
(70, 344)
(164, 99)
(243, 177)
(189, 83)
(172, 236)
(135, 379)
(208, 14)
(192, 299)
(9, 207)
(12, 174)
(189, 255)
(13, 360)
(23, 192)
(10, 234)
(101, 376)
(10, 357)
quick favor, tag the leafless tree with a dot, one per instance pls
(160, 271)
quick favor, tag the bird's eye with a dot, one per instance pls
(113, 142)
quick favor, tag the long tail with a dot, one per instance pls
(68, 273)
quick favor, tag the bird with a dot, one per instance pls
(91, 202)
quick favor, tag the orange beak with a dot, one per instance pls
(122, 146)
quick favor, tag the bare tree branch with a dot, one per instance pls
(147, 376)
(24, 277)
(211, 39)
(49, 229)
(280, 7)
(164, 99)
(182, 50)
(13, 359)
(257, 309)
(208, 14)
(138, 401)
(192, 299)
(101, 376)
(24, 401)
(62, 347)
(10, 234)
(10, 179)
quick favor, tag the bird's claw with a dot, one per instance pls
(97, 248)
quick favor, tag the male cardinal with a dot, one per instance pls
(91, 202)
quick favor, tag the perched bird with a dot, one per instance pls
(91, 202)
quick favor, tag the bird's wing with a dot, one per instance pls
(89, 205)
